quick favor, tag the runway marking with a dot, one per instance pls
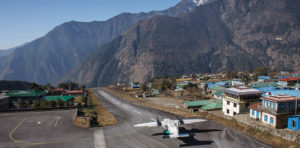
(137, 112)
(56, 122)
(99, 139)
(11, 133)
(24, 144)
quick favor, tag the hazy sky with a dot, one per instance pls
(25, 20)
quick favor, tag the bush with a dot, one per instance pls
(44, 104)
(60, 103)
(52, 103)
(22, 103)
(36, 104)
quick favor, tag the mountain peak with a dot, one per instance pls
(203, 2)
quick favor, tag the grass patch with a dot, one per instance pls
(104, 117)
(78, 99)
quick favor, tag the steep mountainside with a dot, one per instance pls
(49, 58)
(5, 52)
(223, 35)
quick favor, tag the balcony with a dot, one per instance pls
(275, 112)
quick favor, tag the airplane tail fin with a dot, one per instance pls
(158, 122)
(180, 135)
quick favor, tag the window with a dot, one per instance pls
(227, 111)
(228, 103)
(266, 118)
(234, 113)
(293, 124)
(253, 112)
(271, 120)
(234, 104)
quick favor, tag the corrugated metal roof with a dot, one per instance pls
(55, 98)
(264, 77)
(25, 93)
(265, 84)
(213, 106)
(196, 103)
(202, 103)
(217, 88)
(219, 93)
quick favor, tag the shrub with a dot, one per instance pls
(52, 103)
(36, 104)
(60, 103)
(44, 104)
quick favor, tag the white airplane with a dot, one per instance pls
(171, 126)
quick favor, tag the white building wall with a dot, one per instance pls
(230, 107)
(268, 119)
(252, 116)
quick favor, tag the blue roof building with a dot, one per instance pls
(294, 123)
(264, 77)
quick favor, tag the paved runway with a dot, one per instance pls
(208, 134)
(49, 129)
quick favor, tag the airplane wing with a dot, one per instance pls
(190, 121)
(149, 124)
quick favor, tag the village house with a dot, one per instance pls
(135, 85)
(68, 99)
(263, 78)
(238, 99)
(74, 93)
(291, 81)
(294, 123)
(57, 91)
(275, 110)
(238, 82)
(24, 95)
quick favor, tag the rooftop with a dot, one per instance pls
(243, 90)
(264, 77)
(265, 84)
(74, 91)
(55, 98)
(25, 93)
(254, 106)
(290, 79)
(281, 98)
(57, 89)
(283, 92)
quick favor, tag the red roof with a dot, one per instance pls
(290, 79)
(281, 98)
(57, 89)
(254, 106)
(74, 91)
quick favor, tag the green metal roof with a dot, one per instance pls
(217, 88)
(265, 84)
(202, 102)
(207, 82)
(55, 98)
(219, 93)
(196, 103)
(213, 106)
(25, 93)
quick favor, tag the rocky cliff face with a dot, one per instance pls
(49, 58)
(222, 35)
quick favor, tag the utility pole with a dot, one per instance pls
(296, 106)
